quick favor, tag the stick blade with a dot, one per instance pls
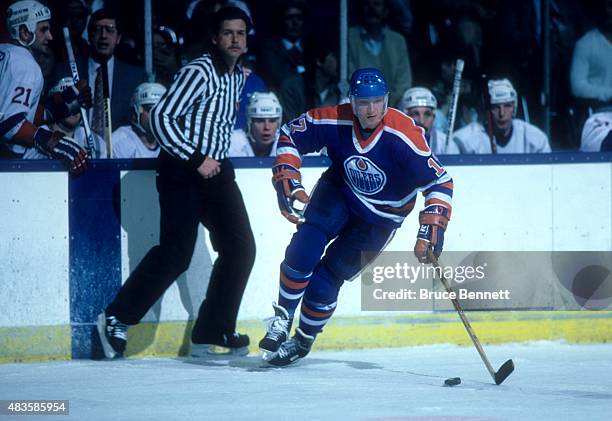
(504, 371)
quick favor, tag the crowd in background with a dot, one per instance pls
(293, 52)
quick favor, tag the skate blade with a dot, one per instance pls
(216, 351)
(267, 355)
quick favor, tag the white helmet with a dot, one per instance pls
(418, 97)
(145, 94)
(27, 13)
(62, 85)
(502, 91)
(263, 105)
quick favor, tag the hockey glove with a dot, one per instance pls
(287, 182)
(56, 146)
(69, 101)
(433, 220)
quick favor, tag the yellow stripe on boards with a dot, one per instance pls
(174, 338)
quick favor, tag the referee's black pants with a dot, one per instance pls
(187, 199)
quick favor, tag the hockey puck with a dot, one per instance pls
(453, 381)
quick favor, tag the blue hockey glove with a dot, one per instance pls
(56, 146)
(287, 182)
(433, 220)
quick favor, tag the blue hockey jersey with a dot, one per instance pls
(379, 176)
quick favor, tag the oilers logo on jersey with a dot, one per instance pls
(363, 175)
(380, 176)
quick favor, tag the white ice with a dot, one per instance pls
(552, 381)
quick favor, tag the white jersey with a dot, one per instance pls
(21, 85)
(78, 136)
(525, 138)
(127, 144)
(437, 143)
(240, 145)
(595, 130)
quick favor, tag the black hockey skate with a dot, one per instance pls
(293, 349)
(224, 345)
(278, 330)
(113, 335)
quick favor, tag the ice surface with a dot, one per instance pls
(552, 381)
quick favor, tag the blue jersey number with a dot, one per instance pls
(19, 92)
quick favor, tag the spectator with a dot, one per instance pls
(597, 133)
(316, 87)
(263, 123)
(373, 44)
(137, 140)
(442, 90)
(503, 132)
(591, 70)
(420, 104)
(196, 184)
(70, 126)
(104, 31)
(282, 57)
(74, 17)
(166, 54)
(519, 49)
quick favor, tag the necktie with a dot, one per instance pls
(295, 54)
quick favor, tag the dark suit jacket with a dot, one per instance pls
(274, 63)
(126, 78)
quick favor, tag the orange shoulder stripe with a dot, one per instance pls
(399, 121)
(334, 112)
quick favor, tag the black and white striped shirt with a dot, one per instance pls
(196, 116)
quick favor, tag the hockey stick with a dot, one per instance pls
(107, 110)
(91, 145)
(508, 367)
(490, 132)
(452, 111)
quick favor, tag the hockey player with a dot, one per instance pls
(420, 104)
(504, 133)
(380, 161)
(136, 140)
(21, 84)
(264, 114)
(70, 126)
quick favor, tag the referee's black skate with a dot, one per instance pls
(292, 350)
(113, 335)
(278, 330)
(223, 345)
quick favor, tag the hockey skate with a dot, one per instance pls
(113, 335)
(224, 345)
(278, 330)
(290, 351)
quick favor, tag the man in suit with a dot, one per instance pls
(104, 31)
(280, 58)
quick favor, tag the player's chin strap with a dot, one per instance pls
(287, 183)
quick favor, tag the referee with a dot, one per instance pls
(193, 122)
